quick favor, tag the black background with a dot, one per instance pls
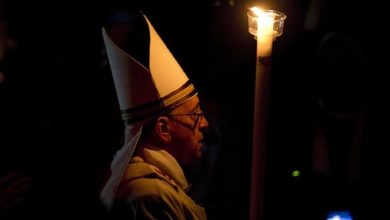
(62, 125)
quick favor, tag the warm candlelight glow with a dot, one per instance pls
(256, 10)
(265, 25)
(256, 15)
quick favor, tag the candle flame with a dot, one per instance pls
(257, 11)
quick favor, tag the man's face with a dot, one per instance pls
(187, 123)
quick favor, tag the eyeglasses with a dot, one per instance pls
(198, 116)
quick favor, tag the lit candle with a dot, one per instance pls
(265, 32)
(265, 24)
(264, 37)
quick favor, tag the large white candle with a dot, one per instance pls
(264, 36)
(265, 24)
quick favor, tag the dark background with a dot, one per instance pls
(61, 123)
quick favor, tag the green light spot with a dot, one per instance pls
(296, 173)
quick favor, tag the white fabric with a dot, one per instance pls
(131, 78)
(166, 163)
(119, 164)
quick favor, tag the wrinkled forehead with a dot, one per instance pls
(189, 106)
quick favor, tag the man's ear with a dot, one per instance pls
(163, 128)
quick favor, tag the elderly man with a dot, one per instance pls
(163, 132)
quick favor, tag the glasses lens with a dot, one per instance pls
(199, 117)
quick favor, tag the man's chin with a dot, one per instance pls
(197, 156)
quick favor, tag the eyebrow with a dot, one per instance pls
(195, 108)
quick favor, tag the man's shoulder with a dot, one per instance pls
(144, 180)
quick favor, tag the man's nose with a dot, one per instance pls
(203, 122)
